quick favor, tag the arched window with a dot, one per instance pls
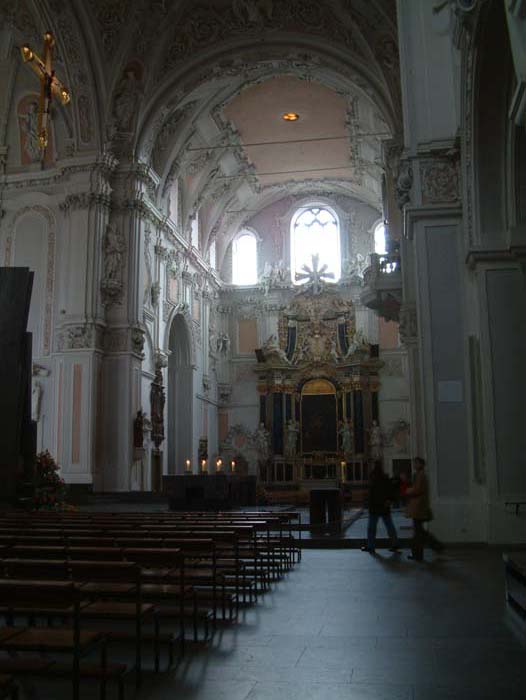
(315, 231)
(212, 254)
(245, 259)
(379, 239)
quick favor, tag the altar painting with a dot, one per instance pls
(318, 417)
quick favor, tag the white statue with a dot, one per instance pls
(359, 342)
(292, 437)
(37, 390)
(375, 441)
(223, 344)
(126, 101)
(262, 440)
(303, 350)
(29, 125)
(114, 248)
(280, 273)
(36, 400)
(272, 349)
(346, 436)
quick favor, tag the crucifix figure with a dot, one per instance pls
(315, 275)
(49, 85)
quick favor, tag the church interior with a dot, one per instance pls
(250, 249)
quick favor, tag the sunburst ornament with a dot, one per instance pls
(50, 85)
(315, 275)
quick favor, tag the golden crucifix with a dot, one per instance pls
(49, 84)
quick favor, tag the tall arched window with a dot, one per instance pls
(315, 231)
(245, 259)
(379, 239)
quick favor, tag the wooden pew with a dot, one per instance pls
(17, 594)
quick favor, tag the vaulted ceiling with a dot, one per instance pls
(213, 79)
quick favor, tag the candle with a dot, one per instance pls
(188, 465)
(343, 465)
(233, 465)
(203, 465)
(219, 464)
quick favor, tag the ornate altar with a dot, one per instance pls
(318, 385)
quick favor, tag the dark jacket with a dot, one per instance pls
(380, 494)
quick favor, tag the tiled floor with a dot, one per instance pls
(347, 625)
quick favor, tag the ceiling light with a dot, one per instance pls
(290, 117)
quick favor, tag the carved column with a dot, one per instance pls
(409, 338)
(79, 324)
(121, 293)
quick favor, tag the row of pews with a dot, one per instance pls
(71, 584)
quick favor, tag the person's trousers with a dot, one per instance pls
(389, 526)
(421, 538)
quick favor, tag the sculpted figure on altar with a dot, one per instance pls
(375, 441)
(262, 441)
(293, 431)
(346, 437)
(273, 351)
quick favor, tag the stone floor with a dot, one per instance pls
(348, 625)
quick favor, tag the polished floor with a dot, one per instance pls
(347, 625)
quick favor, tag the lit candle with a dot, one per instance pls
(219, 464)
(188, 465)
(343, 465)
(203, 465)
(233, 465)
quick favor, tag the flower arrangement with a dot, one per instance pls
(50, 489)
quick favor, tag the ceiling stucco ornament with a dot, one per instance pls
(111, 16)
(204, 26)
(440, 180)
(15, 14)
(197, 163)
(169, 130)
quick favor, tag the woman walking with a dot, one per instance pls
(419, 510)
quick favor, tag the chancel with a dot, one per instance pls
(258, 256)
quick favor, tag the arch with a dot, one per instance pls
(320, 386)
(315, 230)
(180, 395)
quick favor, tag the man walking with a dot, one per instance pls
(380, 497)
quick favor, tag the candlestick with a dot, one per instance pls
(343, 465)
(233, 466)
(203, 465)
(219, 464)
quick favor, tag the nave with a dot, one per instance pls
(345, 626)
(341, 624)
